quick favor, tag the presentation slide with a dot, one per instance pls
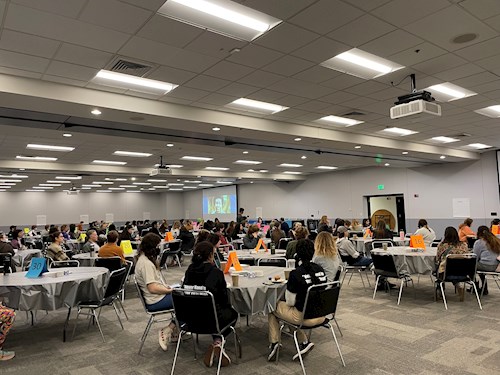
(220, 203)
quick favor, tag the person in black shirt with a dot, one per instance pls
(203, 272)
(187, 237)
(306, 274)
(154, 228)
(284, 226)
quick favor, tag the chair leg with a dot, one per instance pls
(350, 277)
(360, 275)
(338, 327)
(178, 260)
(76, 323)
(146, 332)
(368, 279)
(98, 325)
(279, 344)
(122, 308)
(298, 351)
(443, 295)
(237, 344)
(337, 343)
(376, 285)
(400, 291)
(477, 295)
(176, 353)
(343, 277)
(223, 343)
(117, 314)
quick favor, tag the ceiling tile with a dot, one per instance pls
(389, 44)
(317, 74)
(292, 100)
(78, 72)
(286, 38)
(30, 44)
(476, 79)
(266, 95)
(481, 9)
(239, 90)
(23, 62)
(403, 12)
(168, 31)
(320, 50)
(411, 57)
(458, 22)
(354, 33)
(254, 56)
(82, 56)
(459, 72)
(188, 93)
(343, 81)
(215, 45)
(153, 5)
(487, 86)
(171, 75)
(480, 51)
(494, 22)
(288, 65)
(294, 86)
(63, 80)
(62, 7)
(260, 78)
(103, 13)
(325, 15)
(366, 88)
(281, 9)
(218, 99)
(206, 83)
(491, 63)
(367, 5)
(56, 27)
(338, 97)
(359, 102)
(19, 72)
(313, 105)
(439, 64)
(228, 70)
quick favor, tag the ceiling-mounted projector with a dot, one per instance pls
(417, 103)
(161, 169)
(72, 191)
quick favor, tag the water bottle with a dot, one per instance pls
(273, 248)
(402, 235)
(6, 264)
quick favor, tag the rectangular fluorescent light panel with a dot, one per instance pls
(128, 82)
(491, 111)
(221, 16)
(361, 64)
(33, 146)
(478, 146)
(292, 172)
(247, 162)
(141, 183)
(256, 106)
(326, 167)
(399, 131)
(196, 158)
(154, 180)
(102, 182)
(192, 181)
(447, 92)
(132, 154)
(58, 182)
(50, 184)
(340, 120)
(217, 168)
(68, 177)
(115, 179)
(109, 162)
(444, 139)
(205, 185)
(129, 186)
(13, 176)
(286, 165)
(35, 158)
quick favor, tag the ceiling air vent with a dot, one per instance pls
(129, 67)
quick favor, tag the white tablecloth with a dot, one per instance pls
(414, 262)
(88, 259)
(22, 256)
(363, 245)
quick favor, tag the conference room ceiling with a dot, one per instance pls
(50, 52)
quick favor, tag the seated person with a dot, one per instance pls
(17, 239)
(381, 231)
(65, 232)
(464, 230)
(6, 248)
(91, 245)
(300, 234)
(55, 250)
(126, 234)
(157, 295)
(487, 250)
(7, 317)
(155, 228)
(187, 237)
(425, 231)
(347, 251)
(219, 230)
(251, 239)
(111, 249)
(326, 255)
(301, 278)
(324, 225)
(203, 272)
(275, 233)
(33, 232)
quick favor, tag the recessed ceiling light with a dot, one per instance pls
(155, 180)
(35, 158)
(491, 111)
(263, 171)
(196, 158)
(58, 182)
(221, 16)
(344, 121)
(33, 146)
(245, 152)
(192, 181)
(443, 139)
(22, 169)
(115, 179)
(387, 164)
(327, 167)
(109, 162)
(160, 186)
(68, 177)
(133, 191)
(205, 185)
(303, 157)
(224, 182)
(247, 162)
(405, 152)
(103, 182)
(361, 64)
(13, 176)
(217, 168)
(126, 81)
(175, 184)
(292, 172)
(174, 166)
(91, 185)
(442, 157)
(96, 112)
(357, 146)
(447, 92)
(42, 187)
(104, 191)
(5, 183)
(116, 188)
(297, 139)
(132, 154)
(132, 179)
(399, 131)
(251, 182)
(256, 106)
(142, 183)
(170, 145)
(175, 189)
(189, 187)
(129, 186)
(216, 129)
(287, 165)
(67, 135)
(478, 146)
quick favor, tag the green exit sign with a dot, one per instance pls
(381, 187)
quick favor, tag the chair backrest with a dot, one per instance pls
(283, 243)
(115, 282)
(188, 303)
(111, 263)
(174, 246)
(6, 261)
(435, 243)
(460, 266)
(321, 300)
(272, 262)
(141, 296)
(144, 231)
(471, 241)
(64, 263)
(377, 244)
(384, 265)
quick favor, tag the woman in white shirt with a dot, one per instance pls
(427, 233)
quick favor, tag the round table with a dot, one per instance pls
(88, 259)
(421, 262)
(254, 295)
(363, 244)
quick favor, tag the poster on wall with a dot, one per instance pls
(146, 216)
(461, 207)
(84, 218)
(110, 218)
(41, 219)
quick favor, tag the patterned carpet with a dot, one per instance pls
(418, 337)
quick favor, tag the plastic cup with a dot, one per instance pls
(223, 266)
(235, 280)
(290, 263)
(287, 273)
(384, 246)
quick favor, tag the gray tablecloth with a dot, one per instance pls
(22, 257)
(252, 296)
(363, 245)
(52, 293)
(411, 261)
(88, 259)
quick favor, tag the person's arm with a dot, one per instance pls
(158, 288)
(291, 289)
(476, 249)
(349, 248)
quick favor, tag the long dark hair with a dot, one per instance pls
(451, 236)
(379, 232)
(202, 252)
(149, 247)
(305, 253)
(483, 232)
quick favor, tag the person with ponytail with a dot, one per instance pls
(487, 249)
(157, 295)
(203, 272)
(425, 231)
(301, 278)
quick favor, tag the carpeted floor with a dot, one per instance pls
(418, 337)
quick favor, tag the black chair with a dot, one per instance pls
(6, 263)
(111, 294)
(386, 268)
(321, 301)
(283, 243)
(378, 244)
(460, 268)
(494, 275)
(471, 241)
(62, 263)
(347, 268)
(111, 263)
(152, 316)
(272, 262)
(187, 306)
(435, 243)
(173, 250)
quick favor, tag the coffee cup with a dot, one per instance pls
(223, 266)
(287, 273)
(235, 279)
(355, 236)
(290, 263)
(384, 246)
